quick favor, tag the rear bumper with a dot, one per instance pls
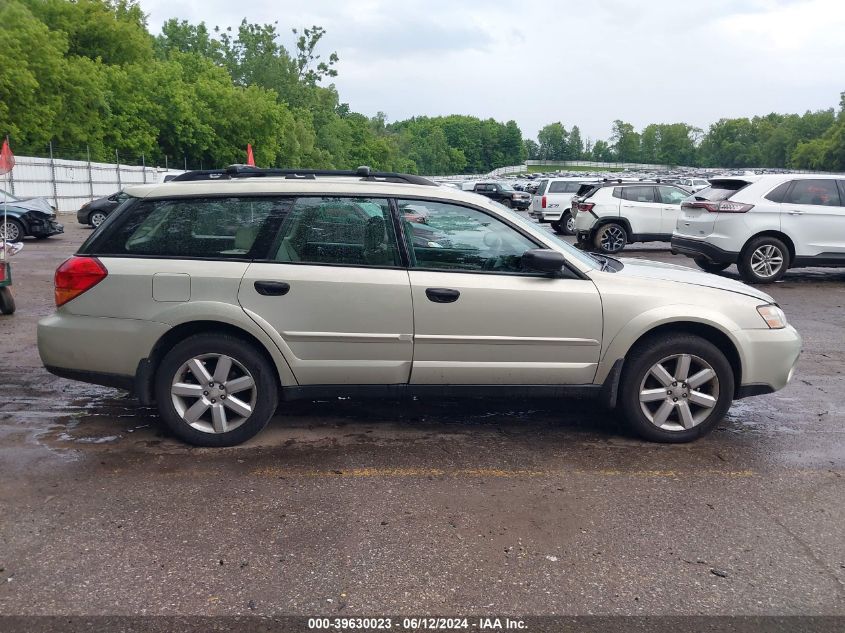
(99, 350)
(698, 248)
(543, 216)
(82, 215)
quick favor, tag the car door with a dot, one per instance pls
(813, 216)
(670, 199)
(480, 319)
(640, 206)
(334, 293)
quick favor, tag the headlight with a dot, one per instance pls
(773, 316)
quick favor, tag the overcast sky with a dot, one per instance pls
(584, 63)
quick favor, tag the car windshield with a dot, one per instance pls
(506, 187)
(570, 250)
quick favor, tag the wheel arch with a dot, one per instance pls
(783, 237)
(615, 220)
(145, 376)
(711, 331)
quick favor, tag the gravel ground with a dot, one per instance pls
(349, 508)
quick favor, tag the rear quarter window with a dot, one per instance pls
(778, 193)
(541, 187)
(216, 228)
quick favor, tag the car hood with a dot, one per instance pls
(32, 204)
(646, 269)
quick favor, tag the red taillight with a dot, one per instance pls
(77, 275)
(586, 206)
(543, 202)
(3, 267)
(725, 206)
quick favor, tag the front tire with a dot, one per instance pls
(507, 203)
(610, 238)
(711, 267)
(215, 390)
(764, 260)
(676, 388)
(12, 231)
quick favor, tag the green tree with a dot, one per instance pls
(553, 140)
(625, 142)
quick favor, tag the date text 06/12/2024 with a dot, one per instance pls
(416, 624)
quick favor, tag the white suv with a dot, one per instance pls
(765, 224)
(609, 215)
(552, 203)
(221, 295)
(693, 184)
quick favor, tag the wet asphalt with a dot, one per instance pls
(348, 507)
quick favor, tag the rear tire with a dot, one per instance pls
(711, 267)
(764, 260)
(682, 403)
(97, 218)
(219, 405)
(568, 223)
(610, 238)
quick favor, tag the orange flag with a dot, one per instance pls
(250, 159)
(7, 159)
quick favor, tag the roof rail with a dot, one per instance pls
(234, 172)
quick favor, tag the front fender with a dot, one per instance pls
(621, 343)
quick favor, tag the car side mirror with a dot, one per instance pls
(542, 260)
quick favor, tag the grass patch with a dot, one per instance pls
(533, 169)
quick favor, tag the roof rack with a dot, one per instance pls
(234, 172)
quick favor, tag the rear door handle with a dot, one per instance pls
(796, 212)
(442, 295)
(272, 288)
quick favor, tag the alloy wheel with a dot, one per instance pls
(97, 219)
(10, 232)
(679, 392)
(214, 393)
(766, 261)
(613, 239)
(570, 225)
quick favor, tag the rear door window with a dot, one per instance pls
(817, 191)
(638, 194)
(350, 231)
(672, 195)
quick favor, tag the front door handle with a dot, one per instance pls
(796, 212)
(442, 295)
(272, 288)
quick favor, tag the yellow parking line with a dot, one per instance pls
(497, 473)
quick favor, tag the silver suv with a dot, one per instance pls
(221, 294)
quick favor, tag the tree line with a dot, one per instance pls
(813, 140)
(90, 74)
